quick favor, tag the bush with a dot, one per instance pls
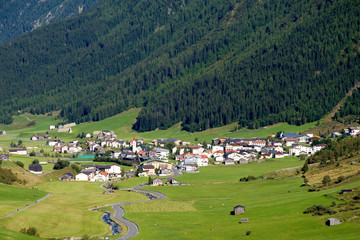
(61, 164)
(30, 231)
(35, 161)
(248, 178)
(20, 164)
(340, 179)
(7, 176)
(76, 168)
(326, 180)
(318, 210)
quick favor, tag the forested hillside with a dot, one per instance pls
(205, 63)
(20, 16)
(350, 110)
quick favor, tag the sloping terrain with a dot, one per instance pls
(202, 63)
(20, 16)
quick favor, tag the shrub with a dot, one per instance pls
(340, 179)
(61, 164)
(20, 164)
(326, 180)
(30, 231)
(318, 210)
(76, 168)
(248, 178)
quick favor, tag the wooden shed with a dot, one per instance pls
(332, 222)
(238, 210)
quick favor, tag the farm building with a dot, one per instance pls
(66, 177)
(35, 168)
(332, 222)
(238, 210)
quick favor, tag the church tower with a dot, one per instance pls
(134, 145)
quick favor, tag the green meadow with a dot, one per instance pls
(13, 198)
(66, 212)
(202, 209)
(121, 124)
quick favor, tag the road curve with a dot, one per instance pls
(133, 229)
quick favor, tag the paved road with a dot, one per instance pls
(133, 229)
(38, 201)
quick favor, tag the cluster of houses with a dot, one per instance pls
(153, 157)
(156, 167)
(95, 173)
(61, 147)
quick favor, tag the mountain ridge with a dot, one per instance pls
(205, 64)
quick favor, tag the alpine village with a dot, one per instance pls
(180, 119)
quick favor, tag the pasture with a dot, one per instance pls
(13, 198)
(66, 212)
(202, 210)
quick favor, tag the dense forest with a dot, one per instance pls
(202, 63)
(20, 16)
(350, 110)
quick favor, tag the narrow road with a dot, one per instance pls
(133, 229)
(38, 201)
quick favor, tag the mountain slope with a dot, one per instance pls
(205, 63)
(19, 16)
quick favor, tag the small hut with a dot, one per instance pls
(332, 222)
(238, 210)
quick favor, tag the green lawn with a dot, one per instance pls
(13, 198)
(201, 210)
(65, 213)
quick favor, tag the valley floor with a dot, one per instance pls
(200, 210)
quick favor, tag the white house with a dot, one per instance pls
(52, 127)
(217, 148)
(353, 131)
(318, 147)
(101, 177)
(19, 151)
(219, 158)
(162, 153)
(202, 161)
(114, 169)
(81, 177)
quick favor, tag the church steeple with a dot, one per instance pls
(134, 145)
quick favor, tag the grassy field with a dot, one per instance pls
(11, 235)
(13, 198)
(66, 212)
(121, 124)
(201, 210)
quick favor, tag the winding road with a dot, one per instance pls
(133, 229)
